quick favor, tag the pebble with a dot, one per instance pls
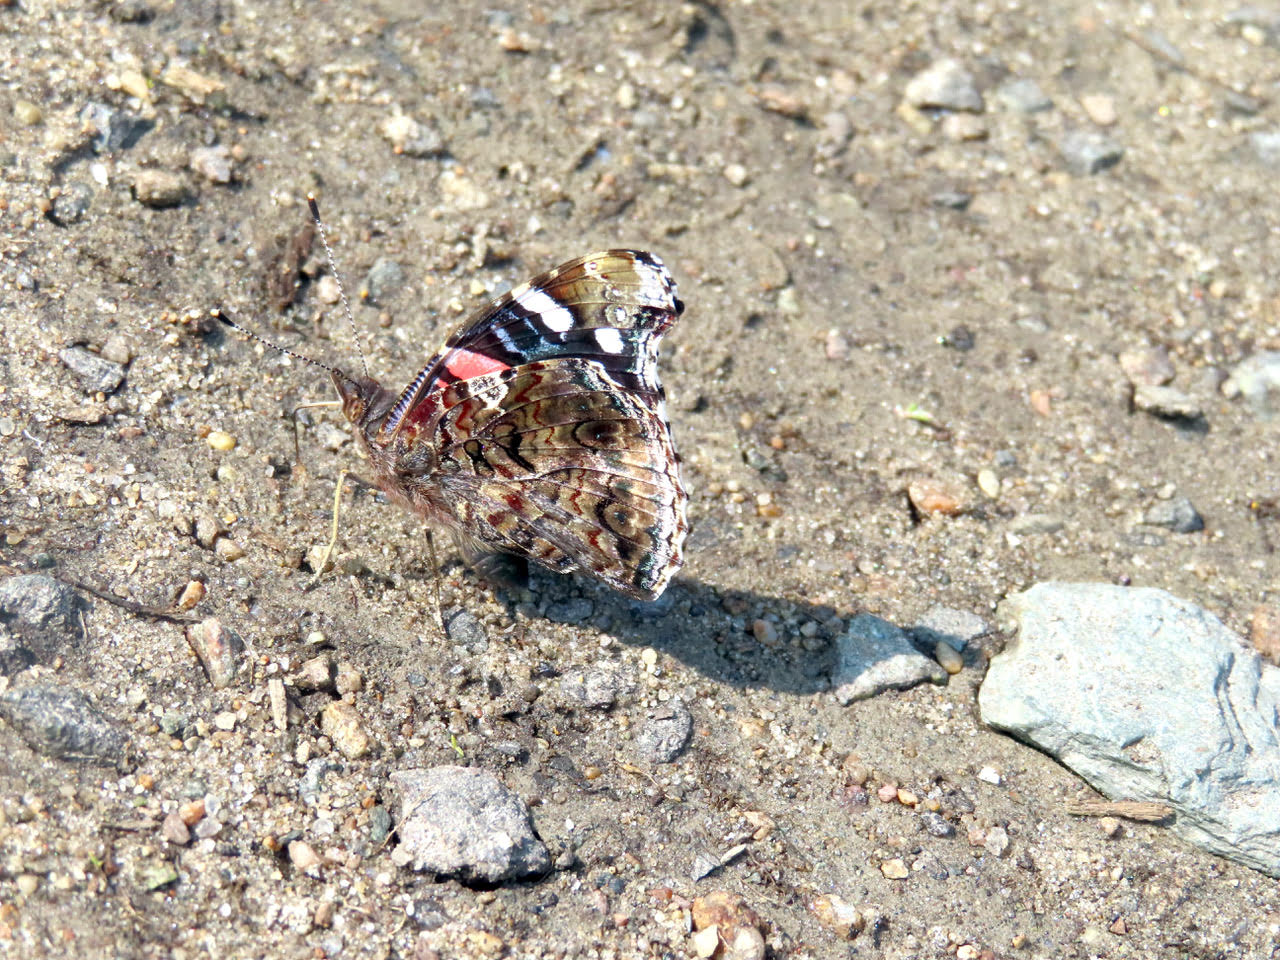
(63, 723)
(328, 290)
(462, 822)
(1086, 152)
(989, 483)
(873, 655)
(936, 496)
(596, 689)
(117, 349)
(27, 113)
(1266, 147)
(949, 625)
(951, 199)
(1257, 380)
(990, 775)
(996, 842)
(303, 856)
(348, 680)
(1032, 523)
(154, 876)
(208, 828)
(1264, 631)
(937, 825)
(219, 650)
(836, 346)
(1168, 403)
(113, 130)
(226, 720)
(159, 188)
(1022, 95)
(666, 733)
(340, 721)
(963, 127)
(220, 440)
(212, 163)
(27, 884)
(838, 915)
(705, 942)
(887, 792)
(895, 869)
(71, 204)
(948, 658)
(835, 131)
(944, 84)
(227, 550)
(1178, 515)
(1151, 366)
(736, 174)
(384, 280)
(39, 602)
(191, 595)
(411, 137)
(315, 674)
(463, 193)
(1100, 107)
(765, 632)
(97, 374)
(574, 610)
(173, 830)
(738, 926)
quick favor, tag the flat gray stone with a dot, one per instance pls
(873, 655)
(1023, 95)
(1257, 380)
(37, 602)
(61, 722)
(1169, 403)
(666, 733)
(1148, 698)
(1178, 515)
(1087, 152)
(96, 374)
(944, 84)
(953, 627)
(462, 822)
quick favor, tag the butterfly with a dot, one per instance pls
(540, 429)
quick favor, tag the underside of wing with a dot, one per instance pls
(552, 461)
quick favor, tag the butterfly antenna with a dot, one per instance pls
(221, 317)
(333, 268)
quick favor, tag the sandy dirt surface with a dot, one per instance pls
(879, 298)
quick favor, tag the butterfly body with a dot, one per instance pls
(540, 428)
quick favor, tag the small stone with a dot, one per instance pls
(219, 650)
(315, 674)
(963, 127)
(666, 733)
(159, 188)
(1022, 95)
(97, 375)
(226, 720)
(463, 822)
(951, 199)
(928, 495)
(228, 550)
(996, 842)
(1152, 367)
(71, 204)
(596, 689)
(837, 915)
(1178, 515)
(27, 884)
(836, 346)
(766, 633)
(348, 680)
(895, 869)
(1086, 152)
(191, 812)
(328, 290)
(384, 280)
(937, 825)
(340, 722)
(191, 595)
(61, 722)
(154, 876)
(117, 349)
(736, 174)
(303, 856)
(208, 828)
(1257, 380)
(834, 133)
(989, 775)
(462, 192)
(220, 440)
(33, 601)
(1266, 147)
(1033, 523)
(1110, 827)
(574, 610)
(1100, 107)
(946, 85)
(873, 655)
(887, 792)
(626, 96)
(26, 113)
(949, 625)
(706, 941)
(989, 483)
(174, 831)
(1167, 403)
(411, 137)
(212, 163)
(465, 628)
(948, 658)
(1264, 631)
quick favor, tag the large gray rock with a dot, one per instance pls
(462, 822)
(61, 722)
(1151, 698)
(874, 655)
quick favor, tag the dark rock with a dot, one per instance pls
(72, 204)
(1087, 152)
(63, 723)
(113, 130)
(384, 280)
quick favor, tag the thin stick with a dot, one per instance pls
(333, 532)
(333, 268)
(435, 571)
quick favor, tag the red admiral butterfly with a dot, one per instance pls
(540, 428)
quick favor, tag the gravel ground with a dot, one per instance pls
(928, 306)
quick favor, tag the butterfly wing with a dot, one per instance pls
(548, 425)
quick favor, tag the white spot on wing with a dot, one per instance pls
(555, 316)
(610, 340)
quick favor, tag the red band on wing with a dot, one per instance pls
(466, 364)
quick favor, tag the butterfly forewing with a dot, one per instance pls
(540, 428)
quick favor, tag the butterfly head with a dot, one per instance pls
(365, 402)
